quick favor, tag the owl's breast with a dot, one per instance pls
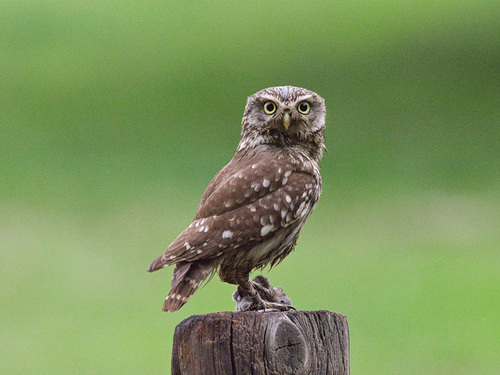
(263, 253)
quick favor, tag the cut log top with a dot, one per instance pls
(258, 343)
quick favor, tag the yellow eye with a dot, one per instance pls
(269, 107)
(304, 108)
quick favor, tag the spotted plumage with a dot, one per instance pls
(252, 212)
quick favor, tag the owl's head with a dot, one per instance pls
(285, 116)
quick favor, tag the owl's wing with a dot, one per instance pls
(245, 203)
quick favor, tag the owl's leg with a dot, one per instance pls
(269, 298)
(246, 296)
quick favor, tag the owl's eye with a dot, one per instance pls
(269, 107)
(304, 108)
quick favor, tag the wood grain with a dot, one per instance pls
(258, 343)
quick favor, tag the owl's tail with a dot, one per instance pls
(186, 280)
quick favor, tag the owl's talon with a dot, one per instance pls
(267, 298)
(278, 306)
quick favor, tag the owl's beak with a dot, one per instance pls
(286, 120)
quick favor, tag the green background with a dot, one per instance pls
(115, 115)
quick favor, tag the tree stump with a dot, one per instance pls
(258, 343)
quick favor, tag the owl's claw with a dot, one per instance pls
(267, 298)
(245, 304)
(270, 306)
(248, 303)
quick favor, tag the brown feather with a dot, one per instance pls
(186, 280)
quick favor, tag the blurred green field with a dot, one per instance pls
(114, 116)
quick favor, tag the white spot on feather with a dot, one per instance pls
(266, 229)
(227, 234)
(300, 210)
(255, 186)
(305, 210)
(288, 198)
(266, 182)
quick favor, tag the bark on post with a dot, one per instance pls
(258, 343)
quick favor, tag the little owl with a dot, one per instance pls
(252, 212)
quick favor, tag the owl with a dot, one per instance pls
(253, 210)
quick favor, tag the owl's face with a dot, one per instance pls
(284, 116)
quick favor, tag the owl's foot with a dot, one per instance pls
(275, 306)
(266, 297)
(248, 303)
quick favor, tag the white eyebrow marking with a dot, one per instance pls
(304, 97)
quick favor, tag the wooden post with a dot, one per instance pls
(258, 343)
